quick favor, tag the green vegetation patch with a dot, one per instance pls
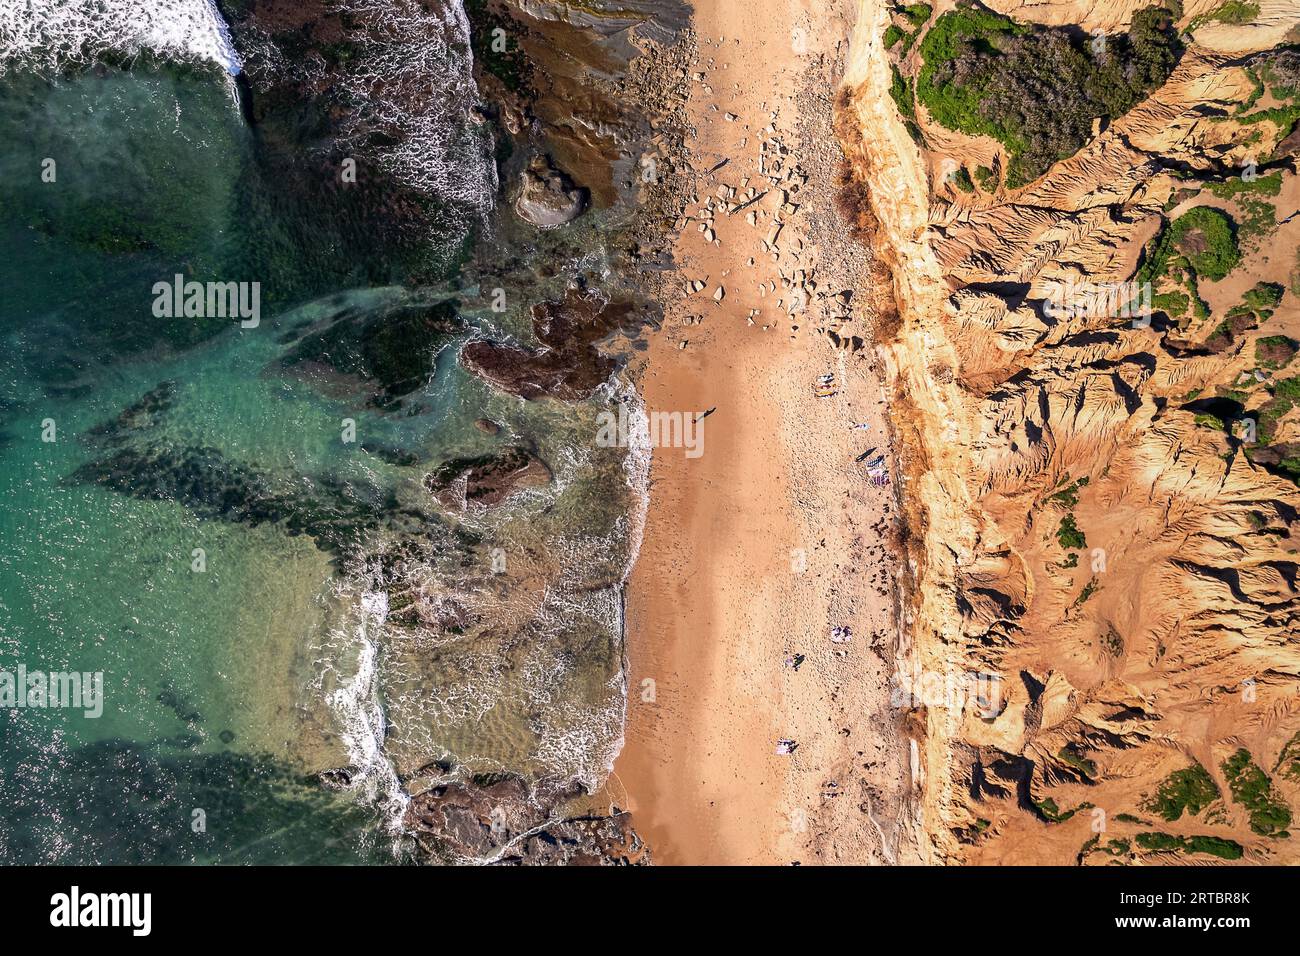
(1235, 12)
(900, 90)
(1286, 394)
(1269, 185)
(1069, 535)
(917, 13)
(1038, 90)
(1262, 296)
(1205, 236)
(1069, 495)
(1288, 761)
(1252, 788)
(1088, 591)
(1172, 304)
(1161, 261)
(1191, 789)
(1052, 813)
(1070, 756)
(1214, 846)
(1117, 847)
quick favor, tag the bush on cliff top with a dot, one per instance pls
(1037, 90)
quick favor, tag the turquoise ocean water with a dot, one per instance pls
(180, 510)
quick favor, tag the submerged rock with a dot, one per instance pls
(139, 415)
(337, 97)
(337, 515)
(388, 353)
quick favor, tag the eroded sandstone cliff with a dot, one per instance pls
(1095, 380)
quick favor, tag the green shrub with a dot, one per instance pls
(1088, 591)
(1263, 295)
(1288, 761)
(1079, 762)
(900, 89)
(1253, 789)
(1214, 846)
(1236, 12)
(892, 35)
(1191, 790)
(1211, 845)
(1172, 304)
(1051, 812)
(1274, 351)
(917, 13)
(1037, 90)
(1269, 185)
(1069, 495)
(1205, 236)
(1069, 534)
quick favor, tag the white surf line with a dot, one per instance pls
(51, 34)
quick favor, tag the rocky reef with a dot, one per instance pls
(349, 156)
(499, 821)
(487, 479)
(568, 363)
(380, 355)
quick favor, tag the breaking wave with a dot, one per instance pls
(49, 35)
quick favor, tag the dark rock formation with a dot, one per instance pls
(335, 514)
(568, 365)
(500, 822)
(487, 479)
(145, 413)
(337, 96)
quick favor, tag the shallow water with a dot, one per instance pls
(183, 510)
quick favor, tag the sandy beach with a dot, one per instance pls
(776, 534)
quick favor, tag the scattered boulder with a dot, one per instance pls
(547, 197)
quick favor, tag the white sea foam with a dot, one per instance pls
(352, 663)
(413, 70)
(50, 34)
